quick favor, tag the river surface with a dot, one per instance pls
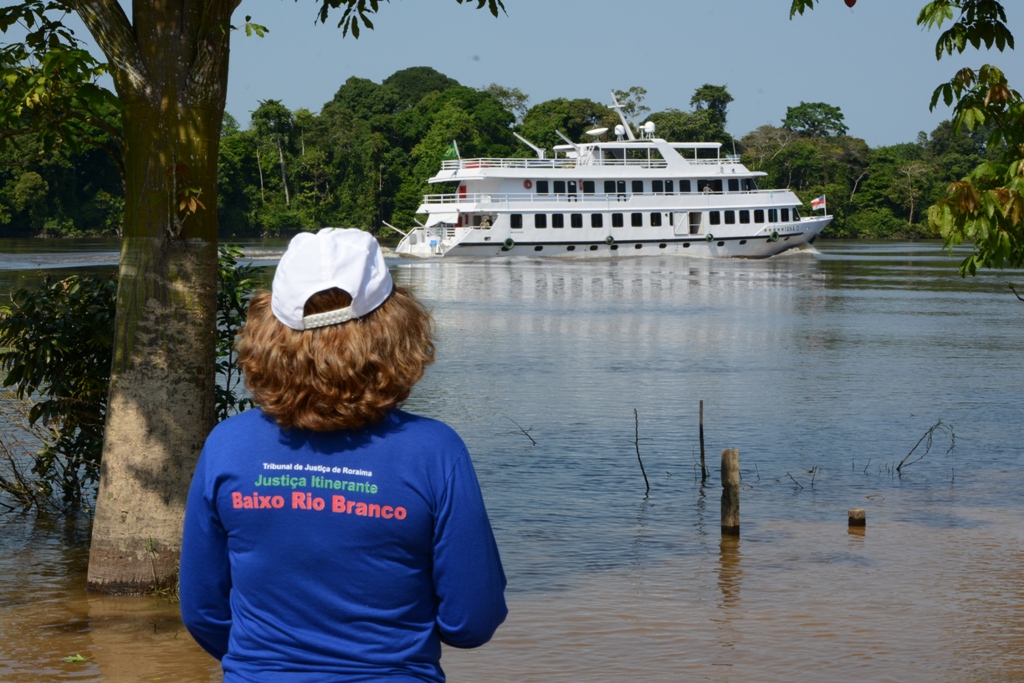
(825, 368)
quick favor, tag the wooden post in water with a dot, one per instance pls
(857, 517)
(703, 466)
(730, 492)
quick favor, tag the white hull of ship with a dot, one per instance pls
(489, 242)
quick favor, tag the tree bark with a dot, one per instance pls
(284, 178)
(170, 71)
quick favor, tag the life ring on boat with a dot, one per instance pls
(508, 244)
(609, 239)
(774, 237)
(710, 237)
(527, 184)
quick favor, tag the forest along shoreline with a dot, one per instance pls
(285, 170)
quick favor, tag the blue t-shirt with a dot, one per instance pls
(337, 556)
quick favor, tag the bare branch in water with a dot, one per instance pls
(636, 442)
(939, 426)
(526, 432)
(794, 480)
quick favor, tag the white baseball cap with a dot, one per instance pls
(346, 258)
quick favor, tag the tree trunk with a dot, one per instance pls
(170, 71)
(284, 178)
(259, 165)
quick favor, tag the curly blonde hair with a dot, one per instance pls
(344, 376)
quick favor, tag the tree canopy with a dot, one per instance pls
(816, 119)
(986, 205)
(364, 160)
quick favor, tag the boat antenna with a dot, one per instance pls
(625, 124)
(571, 143)
(535, 148)
(395, 229)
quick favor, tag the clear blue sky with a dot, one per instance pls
(872, 61)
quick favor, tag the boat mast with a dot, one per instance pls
(539, 150)
(625, 124)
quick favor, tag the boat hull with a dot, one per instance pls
(471, 242)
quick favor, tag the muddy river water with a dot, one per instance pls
(824, 368)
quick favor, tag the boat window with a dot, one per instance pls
(609, 187)
(668, 187)
(588, 187)
(759, 215)
(620, 186)
(614, 153)
(716, 184)
(559, 187)
(702, 186)
(616, 220)
(557, 220)
(597, 220)
(749, 184)
(684, 186)
(714, 217)
(773, 215)
(657, 186)
(734, 184)
(542, 187)
(638, 187)
(744, 215)
(656, 219)
(516, 220)
(572, 187)
(636, 220)
(796, 214)
(576, 220)
(540, 220)
(730, 217)
(785, 215)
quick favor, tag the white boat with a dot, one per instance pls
(602, 198)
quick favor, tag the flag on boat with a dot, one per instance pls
(818, 203)
(452, 152)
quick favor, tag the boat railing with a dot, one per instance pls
(533, 197)
(497, 162)
(728, 161)
(633, 163)
(500, 163)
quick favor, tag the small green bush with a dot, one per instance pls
(56, 348)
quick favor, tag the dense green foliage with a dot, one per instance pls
(62, 376)
(983, 197)
(364, 159)
(47, 359)
(235, 284)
